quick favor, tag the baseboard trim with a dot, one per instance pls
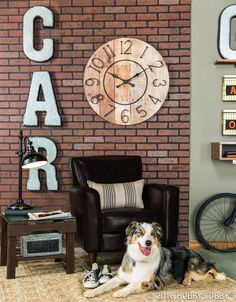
(194, 244)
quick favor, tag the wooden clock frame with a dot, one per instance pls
(126, 81)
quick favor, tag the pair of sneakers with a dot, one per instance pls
(96, 276)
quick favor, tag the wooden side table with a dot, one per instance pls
(14, 226)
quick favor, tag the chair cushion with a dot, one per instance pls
(117, 195)
(116, 220)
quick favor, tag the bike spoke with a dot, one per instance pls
(217, 206)
(216, 218)
(219, 203)
(213, 232)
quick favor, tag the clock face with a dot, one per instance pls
(126, 81)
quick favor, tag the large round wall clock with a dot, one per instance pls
(126, 81)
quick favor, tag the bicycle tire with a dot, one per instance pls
(206, 206)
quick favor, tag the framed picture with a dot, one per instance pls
(229, 88)
(229, 122)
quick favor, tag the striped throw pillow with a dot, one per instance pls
(119, 195)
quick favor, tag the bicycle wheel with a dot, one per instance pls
(210, 223)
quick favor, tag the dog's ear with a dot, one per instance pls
(157, 229)
(131, 228)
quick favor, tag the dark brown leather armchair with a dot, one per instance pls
(104, 230)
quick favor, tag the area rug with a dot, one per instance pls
(46, 281)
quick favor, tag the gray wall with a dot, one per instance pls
(207, 176)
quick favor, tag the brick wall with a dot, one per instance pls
(81, 26)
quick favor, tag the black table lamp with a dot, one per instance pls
(28, 159)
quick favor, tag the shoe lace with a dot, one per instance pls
(89, 275)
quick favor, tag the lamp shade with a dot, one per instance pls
(33, 160)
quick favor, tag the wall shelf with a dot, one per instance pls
(223, 151)
(225, 61)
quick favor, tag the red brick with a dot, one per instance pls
(125, 31)
(8, 11)
(157, 139)
(146, 146)
(104, 17)
(9, 83)
(91, 24)
(93, 10)
(158, 8)
(180, 8)
(158, 23)
(180, 23)
(85, 146)
(168, 16)
(150, 2)
(8, 41)
(82, 2)
(136, 24)
(148, 31)
(185, 15)
(115, 24)
(169, 31)
(169, 2)
(136, 139)
(157, 153)
(71, 10)
(98, 139)
(61, 2)
(4, 3)
(104, 2)
(167, 174)
(105, 132)
(115, 139)
(125, 2)
(9, 25)
(103, 32)
(115, 9)
(147, 132)
(179, 153)
(136, 9)
(71, 24)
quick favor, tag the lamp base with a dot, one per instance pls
(20, 205)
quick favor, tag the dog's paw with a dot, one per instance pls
(186, 282)
(150, 286)
(120, 294)
(89, 294)
(220, 276)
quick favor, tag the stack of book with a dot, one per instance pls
(49, 215)
(37, 214)
(11, 212)
(230, 154)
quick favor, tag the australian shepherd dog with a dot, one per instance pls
(147, 265)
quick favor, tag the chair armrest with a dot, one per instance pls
(165, 200)
(85, 206)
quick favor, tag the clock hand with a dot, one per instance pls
(115, 76)
(135, 76)
(125, 82)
